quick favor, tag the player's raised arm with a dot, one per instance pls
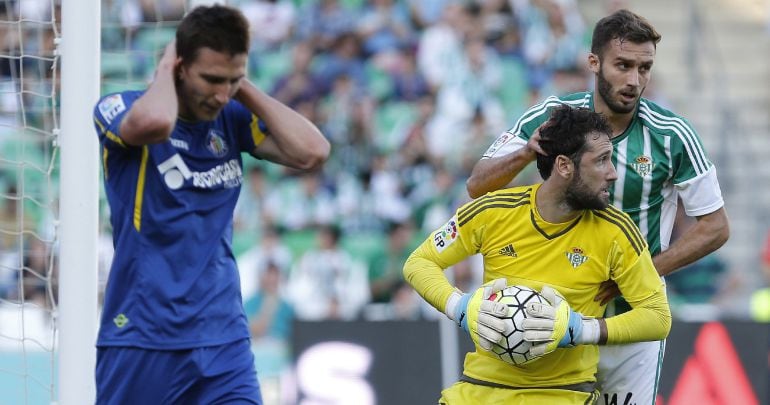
(494, 173)
(708, 234)
(294, 141)
(153, 116)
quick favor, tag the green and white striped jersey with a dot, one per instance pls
(658, 157)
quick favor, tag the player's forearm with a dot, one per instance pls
(428, 279)
(153, 116)
(495, 173)
(708, 234)
(649, 320)
(300, 142)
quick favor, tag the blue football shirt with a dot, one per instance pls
(173, 283)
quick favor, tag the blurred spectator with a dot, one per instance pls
(267, 251)
(424, 13)
(408, 83)
(387, 263)
(36, 275)
(345, 59)
(252, 212)
(270, 315)
(160, 11)
(270, 318)
(11, 241)
(323, 21)
(302, 202)
(384, 28)
(327, 283)
(357, 203)
(271, 22)
(387, 191)
(553, 35)
(300, 84)
(472, 90)
(440, 48)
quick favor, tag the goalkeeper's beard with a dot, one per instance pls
(580, 197)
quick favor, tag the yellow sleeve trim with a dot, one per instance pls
(105, 152)
(109, 134)
(140, 190)
(256, 134)
(99, 123)
(115, 138)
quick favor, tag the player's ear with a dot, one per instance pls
(563, 167)
(594, 63)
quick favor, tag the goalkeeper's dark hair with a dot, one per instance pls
(565, 134)
(625, 26)
(220, 28)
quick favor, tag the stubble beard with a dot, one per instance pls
(579, 197)
(604, 88)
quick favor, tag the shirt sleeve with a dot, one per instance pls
(446, 246)
(516, 138)
(108, 114)
(249, 129)
(694, 175)
(639, 283)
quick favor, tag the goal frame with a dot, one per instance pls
(80, 49)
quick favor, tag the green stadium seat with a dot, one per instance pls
(391, 122)
(514, 95)
(154, 39)
(117, 65)
(379, 82)
(363, 246)
(270, 66)
(300, 241)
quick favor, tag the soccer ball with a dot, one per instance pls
(512, 348)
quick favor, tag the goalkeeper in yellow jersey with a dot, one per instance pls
(563, 239)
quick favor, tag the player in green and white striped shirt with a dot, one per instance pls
(659, 158)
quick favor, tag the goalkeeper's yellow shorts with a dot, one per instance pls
(464, 393)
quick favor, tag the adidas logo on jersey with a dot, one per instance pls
(509, 251)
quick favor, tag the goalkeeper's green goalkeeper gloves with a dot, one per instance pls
(481, 318)
(555, 324)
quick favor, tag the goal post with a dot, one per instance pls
(79, 49)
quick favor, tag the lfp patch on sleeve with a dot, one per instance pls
(111, 106)
(446, 235)
(499, 142)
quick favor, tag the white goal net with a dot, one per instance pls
(28, 200)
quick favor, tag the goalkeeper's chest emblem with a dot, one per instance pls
(576, 257)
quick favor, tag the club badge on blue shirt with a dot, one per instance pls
(215, 143)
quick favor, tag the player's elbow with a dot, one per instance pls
(315, 156)
(721, 234)
(142, 129)
(473, 187)
(717, 228)
(665, 323)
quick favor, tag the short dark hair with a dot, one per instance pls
(625, 26)
(565, 134)
(220, 28)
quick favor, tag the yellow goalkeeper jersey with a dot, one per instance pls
(574, 257)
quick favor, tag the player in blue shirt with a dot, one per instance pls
(173, 328)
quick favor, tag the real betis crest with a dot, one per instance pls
(576, 257)
(642, 165)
